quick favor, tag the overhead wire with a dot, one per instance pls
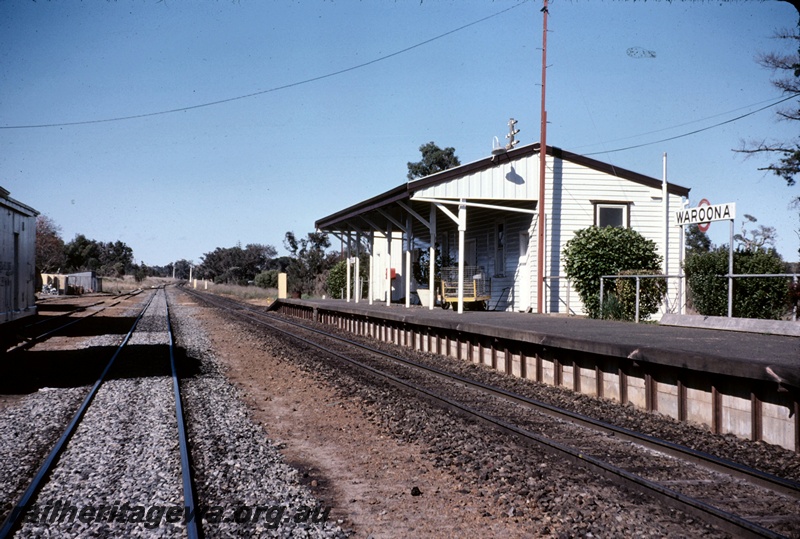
(380, 59)
(671, 127)
(274, 89)
(697, 130)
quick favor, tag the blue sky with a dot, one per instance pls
(247, 170)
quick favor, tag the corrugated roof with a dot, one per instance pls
(16, 205)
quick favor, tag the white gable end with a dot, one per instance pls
(514, 180)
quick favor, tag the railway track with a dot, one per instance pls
(737, 499)
(40, 330)
(112, 492)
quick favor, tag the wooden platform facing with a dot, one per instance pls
(732, 382)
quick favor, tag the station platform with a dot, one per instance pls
(744, 383)
(733, 353)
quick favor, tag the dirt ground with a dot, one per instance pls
(365, 477)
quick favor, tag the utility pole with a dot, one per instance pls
(542, 172)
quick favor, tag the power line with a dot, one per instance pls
(697, 130)
(274, 89)
(638, 135)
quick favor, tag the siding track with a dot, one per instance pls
(38, 331)
(109, 444)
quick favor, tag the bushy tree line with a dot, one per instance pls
(308, 265)
(753, 297)
(107, 259)
(53, 255)
(309, 262)
(706, 267)
(236, 265)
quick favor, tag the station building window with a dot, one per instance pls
(614, 214)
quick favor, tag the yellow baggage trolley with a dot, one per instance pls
(477, 287)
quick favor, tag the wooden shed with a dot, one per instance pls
(17, 259)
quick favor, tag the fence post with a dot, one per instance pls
(637, 299)
(730, 273)
(601, 297)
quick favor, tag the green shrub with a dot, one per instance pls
(612, 307)
(651, 294)
(753, 297)
(337, 280)
(595, 252)
(267, 279)
(708, 290)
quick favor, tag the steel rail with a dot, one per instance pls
(22, 506)
(758, 477)
(724, 520)
(191, 514)
(39, 338)
(117, 297)
(63, 315)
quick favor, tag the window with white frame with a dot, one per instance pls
(614, 214)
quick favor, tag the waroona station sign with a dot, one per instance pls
(702, 215)
(706, 213)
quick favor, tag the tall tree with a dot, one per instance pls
(787, 152)
(115, 258)
(309, 264)
(787, 68)
(82, 254)
(50, 256)
(182, 268)
(758, 238)
(434, 159)
(236, 265)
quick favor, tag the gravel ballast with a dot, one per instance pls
(120, 474)
(288, 443)
(509, 484)
(237, 468)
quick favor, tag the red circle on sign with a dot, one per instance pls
(703, 227)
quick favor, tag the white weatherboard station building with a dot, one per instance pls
(484, 215)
